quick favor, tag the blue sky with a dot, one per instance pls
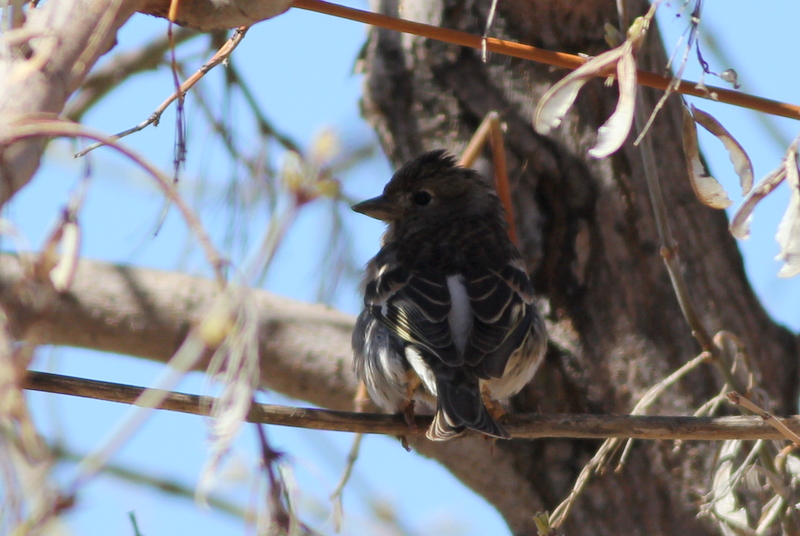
(301, 67)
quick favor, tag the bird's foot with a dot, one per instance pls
(494, 407)
(408, 413)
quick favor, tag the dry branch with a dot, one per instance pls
(232, 13)
(121, 67)
(527, 426)
(556, 59)
(219, 56)
(304, 348)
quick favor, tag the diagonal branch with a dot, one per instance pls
(121, 67)
(556, 59)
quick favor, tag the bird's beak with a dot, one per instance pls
(379, 208)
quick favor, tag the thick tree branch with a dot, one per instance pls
(305, 348)
(207, 15)
(587, 233)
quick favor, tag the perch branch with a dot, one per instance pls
(528, 426)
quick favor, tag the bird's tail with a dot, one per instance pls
(459, 406)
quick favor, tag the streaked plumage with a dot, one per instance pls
(448, 307)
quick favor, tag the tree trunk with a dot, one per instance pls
(588, 234)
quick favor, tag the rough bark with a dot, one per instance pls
(589, 237)
(208, 15)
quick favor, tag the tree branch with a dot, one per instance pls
(525, 426)
(121, 67)
(304, 349)
(556, 59)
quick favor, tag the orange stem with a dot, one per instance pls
(558, 59)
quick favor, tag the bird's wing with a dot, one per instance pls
(502, 303)
(414, 308)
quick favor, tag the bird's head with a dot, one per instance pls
(431, 186)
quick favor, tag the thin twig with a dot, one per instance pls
(491, 131)
(136, 476)
(336, 496)
(656, 391)
(221, 55)
(558, 59)
(736, 398)
(280, 509)
(360, 402)
(669, 250)
(610, 445)
(35, 127)
(119, 68)
(528, 426)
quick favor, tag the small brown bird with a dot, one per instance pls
(448, 308)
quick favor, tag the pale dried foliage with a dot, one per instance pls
(739, 158)
(231, 329)
(788, 235)
(555, 104)
(708, 190)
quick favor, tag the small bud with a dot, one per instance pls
(325, 147)
(293, 171)
(730, 76)
(329, 188)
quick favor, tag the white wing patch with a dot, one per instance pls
(460, 316)
(421, 368)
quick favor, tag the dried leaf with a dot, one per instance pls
(62, 274)
(706, 188)
(740, 223)
(59, 257)
(725, 505)
(614, 131)
(788, 235)
(234, 364)
(739, 159)
(558, 100)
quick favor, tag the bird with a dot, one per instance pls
(449, 316)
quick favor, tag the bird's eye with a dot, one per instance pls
(421, 198)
